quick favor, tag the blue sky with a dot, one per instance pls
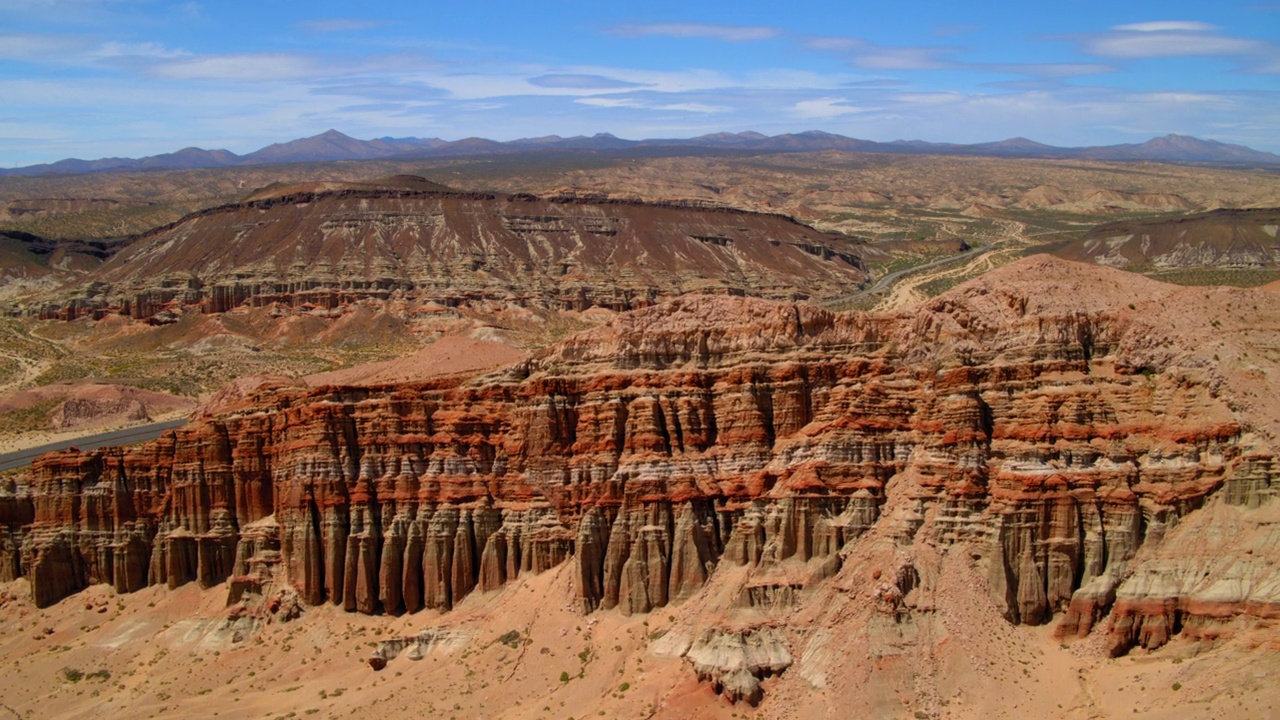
(98, 78)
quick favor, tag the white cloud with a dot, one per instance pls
(503, 82)
(242, 68)
(930, 98)
(903, 58)
(275, 67)
(1167, 44)
(872, 56)
(694, 107)
(634, 104)
(728, 33)
(137, 89)
(1168, 38)
(834, 44)
(1203, 99)
(139, 50)
(581, 81)
(826, 107)
(609, 102)
(1167, 26)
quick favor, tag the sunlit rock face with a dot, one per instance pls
(1065, 447)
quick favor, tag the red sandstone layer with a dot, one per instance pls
(1058, 443)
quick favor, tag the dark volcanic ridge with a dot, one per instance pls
(325, 245)
(332, 146)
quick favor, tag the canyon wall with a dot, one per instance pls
(650, 451)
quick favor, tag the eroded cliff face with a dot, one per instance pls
(1219, 238)
(327, 247)
(678, 439)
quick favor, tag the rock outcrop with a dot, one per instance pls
(328, 245)
(735, 662)
(416, 647)
(1216, 239)
(1046, 441)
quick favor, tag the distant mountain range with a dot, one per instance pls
(333, 145)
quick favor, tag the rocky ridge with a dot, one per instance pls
(328, 245)
(1053, 431)
(1221, 238)
(332, 145)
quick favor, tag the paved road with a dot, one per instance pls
(893, 277)
(128, 436)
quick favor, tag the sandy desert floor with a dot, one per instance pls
(526, 652)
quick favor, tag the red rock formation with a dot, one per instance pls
(648, 451)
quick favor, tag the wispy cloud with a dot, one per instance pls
(283, 66)
(637, 104)
(904, 58)
(728, 33)
(1177, 38)
(34, 47)
(579, 81)
(1051, 70)
(502, 81)
(130, 73)
(873, 56)
(249, 67)
(833, 44)
(338, 25)
(139, 50)
(1167, 44)
(875, 84)
(823, 108)
(609, 102)
(383, 90)
(1168, 26)
(693, 107)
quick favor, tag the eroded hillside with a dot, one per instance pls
(814, 510)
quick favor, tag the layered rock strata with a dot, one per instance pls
(650, 451)
(311, 247)
(1219, 238)
(735, 662)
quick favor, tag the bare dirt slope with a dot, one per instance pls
(162, 653)
(447, 356)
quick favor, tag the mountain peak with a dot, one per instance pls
(333, 145)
